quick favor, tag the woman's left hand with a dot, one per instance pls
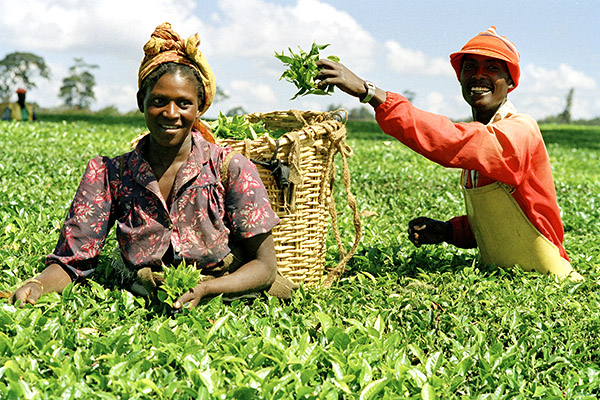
(256, 274)
(191, 298)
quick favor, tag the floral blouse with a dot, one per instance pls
(204, 217)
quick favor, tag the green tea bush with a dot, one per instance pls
(402, 322)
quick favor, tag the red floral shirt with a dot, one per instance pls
(204, 218)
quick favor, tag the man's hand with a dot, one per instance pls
(334, 73)
(423, 230)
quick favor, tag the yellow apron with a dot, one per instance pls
(505, 236)
(16, 113)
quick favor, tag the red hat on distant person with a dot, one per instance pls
(490, 44)
(21, 90)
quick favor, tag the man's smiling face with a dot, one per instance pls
(485, 83)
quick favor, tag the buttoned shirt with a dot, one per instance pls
(203, 221)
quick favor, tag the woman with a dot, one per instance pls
(175, 197)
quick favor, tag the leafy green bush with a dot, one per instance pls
(401, 323)
(237, 127)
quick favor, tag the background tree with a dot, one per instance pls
(220, 95)
(19, 70)
(77, 89)
(565, 116)
(361, 113)
(236, 111)
(410, 95)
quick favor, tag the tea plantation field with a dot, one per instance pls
(402, 322)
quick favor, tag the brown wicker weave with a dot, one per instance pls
(309, 149)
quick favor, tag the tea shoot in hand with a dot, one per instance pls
(178, 280)
(302, 70)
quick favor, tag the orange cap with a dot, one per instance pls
(490, 44)
(21, 90)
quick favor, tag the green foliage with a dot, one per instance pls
(77, 89)
(19, 69)
(220, 95)
(237, 127)
(302, 70)
(403, 322)
(178, 280)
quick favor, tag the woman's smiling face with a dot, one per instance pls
(170, 108)
(485, 83)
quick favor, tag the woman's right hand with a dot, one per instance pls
(53, 279)
(30, 292)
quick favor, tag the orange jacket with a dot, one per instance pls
(509, 150)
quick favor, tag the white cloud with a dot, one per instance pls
(252, 91)
(250, 95)
(123, 97)
(92, 26)
(542, 92)
(46, 92)
(436, 102)
(413, 62)
(565, 77)
(255, 29)
(239, 38)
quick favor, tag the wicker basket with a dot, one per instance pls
(304, 207)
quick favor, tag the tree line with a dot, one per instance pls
(20, 69)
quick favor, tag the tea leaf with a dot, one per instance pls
(302, 70)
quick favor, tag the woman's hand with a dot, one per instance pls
(258, 273)
(423, 230)
(53, 279)
(192, 297)
(30, 292)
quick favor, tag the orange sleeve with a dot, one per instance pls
(501, 151)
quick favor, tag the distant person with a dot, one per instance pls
(512, 214)
(176, 197)
(20, 110)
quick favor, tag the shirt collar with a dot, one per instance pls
(199, 156)
(505, 110)
(142, 171)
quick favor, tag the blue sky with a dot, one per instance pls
(399, 45)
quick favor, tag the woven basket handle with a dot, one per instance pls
(338, 145)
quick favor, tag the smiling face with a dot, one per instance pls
(485, 82)
(170, 108)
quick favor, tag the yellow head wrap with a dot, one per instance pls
(165, 45)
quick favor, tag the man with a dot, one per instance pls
(19, 111)
(512, 215)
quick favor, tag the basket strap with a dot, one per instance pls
(338, 145)
(225, 167)
(294, 161)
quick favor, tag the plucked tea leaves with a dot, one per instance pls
(302, 70)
